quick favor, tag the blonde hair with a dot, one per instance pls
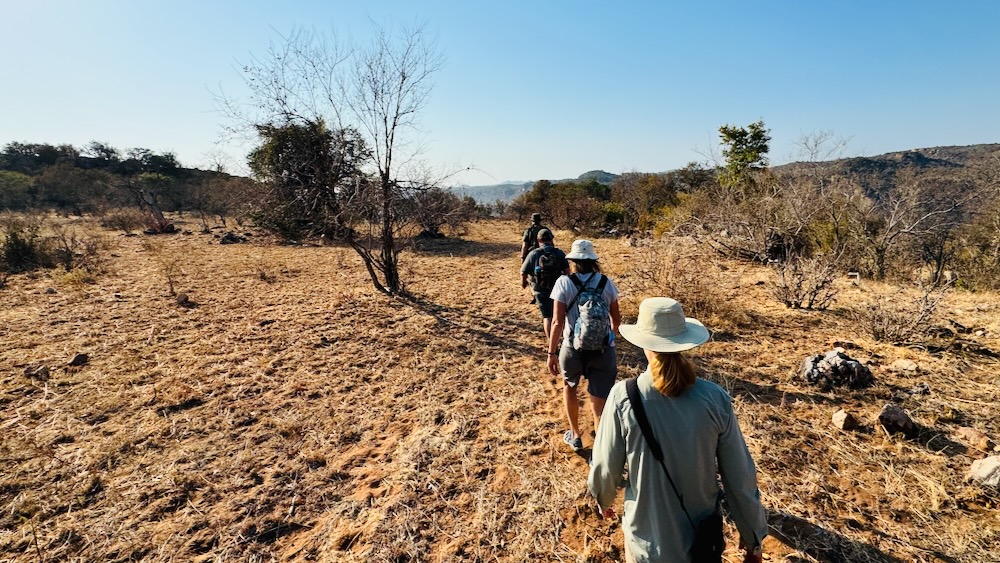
(672, 373)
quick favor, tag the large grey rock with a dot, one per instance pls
(836, 369)
(895, 420)
(986, 471)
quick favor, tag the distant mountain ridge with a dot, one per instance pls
(872, 170)
(507, 191)
(867, 169)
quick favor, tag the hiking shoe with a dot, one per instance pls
(575, 443)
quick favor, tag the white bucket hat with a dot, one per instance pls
(662, 327)
(582, 250)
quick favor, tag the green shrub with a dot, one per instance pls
(22, 249)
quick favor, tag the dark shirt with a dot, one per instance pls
(531, 260)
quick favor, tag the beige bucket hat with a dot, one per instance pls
(582, 250)
(662, 327)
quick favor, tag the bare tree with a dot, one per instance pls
(377, 91)
(911, 208)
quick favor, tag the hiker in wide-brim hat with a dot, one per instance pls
(585, 317)
(692, 421)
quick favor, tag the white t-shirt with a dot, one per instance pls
(565, 291)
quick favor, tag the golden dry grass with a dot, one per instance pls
(292, 414)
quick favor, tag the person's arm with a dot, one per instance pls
(616, 315)
(526, 267)
(608, 457)
(739, 476)
(558, 322)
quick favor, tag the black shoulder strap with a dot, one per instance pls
(601, 284)
(635, 399)
(579, 288)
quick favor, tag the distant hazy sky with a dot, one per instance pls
(530, 89)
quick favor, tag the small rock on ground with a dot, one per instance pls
(79, 360)
(986, 471)
(895, 420)
(844, 420)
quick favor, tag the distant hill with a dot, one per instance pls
(873, 172)
(489, 194)
(507, 191)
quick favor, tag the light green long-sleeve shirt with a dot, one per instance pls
(699, 436)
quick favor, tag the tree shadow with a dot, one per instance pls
(493, 335)
(827, 546)
(462, 247)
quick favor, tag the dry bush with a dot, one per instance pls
(74, 251)
(22, 246)
(124, 219)
(680, 270)
(168, 263)
(898, 318)
(805, 283)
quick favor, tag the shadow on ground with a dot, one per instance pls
(824, 545)
(461, 247)
(493, 335)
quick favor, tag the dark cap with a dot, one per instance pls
(544, 234)
(536, 217)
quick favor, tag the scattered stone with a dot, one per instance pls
(905, 366)
(182, 299)
(844, 420)
(79, 360)
(895, 420)
(986, 471)
(980, 333)
(50, 290)
(975, 438)
(920, 389)
(836, 369)
(231, 238)
(36, 372)
(844, 344)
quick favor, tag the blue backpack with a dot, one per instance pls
(593, 323)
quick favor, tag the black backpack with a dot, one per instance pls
(532, 236)
(547, 270)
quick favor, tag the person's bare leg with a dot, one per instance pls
(547, 323)
(597, 404)
(572, 408)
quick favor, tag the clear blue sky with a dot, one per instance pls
(530, 89)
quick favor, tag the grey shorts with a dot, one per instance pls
(600, 368)
(544, 303)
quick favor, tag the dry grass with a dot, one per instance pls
(293, 414)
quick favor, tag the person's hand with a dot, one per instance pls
(524, 284)
(553, 364)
